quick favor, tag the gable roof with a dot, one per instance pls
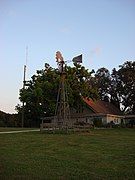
(102, 107)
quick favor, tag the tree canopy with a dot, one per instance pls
(118, 87)
(40, 94)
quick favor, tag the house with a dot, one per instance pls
(95, 112)
(101, 111)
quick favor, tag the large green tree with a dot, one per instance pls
(123, 87)
(103, 81)
(40, 94)
(118, 87)
(81, 84)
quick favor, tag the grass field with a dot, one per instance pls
(100, 154)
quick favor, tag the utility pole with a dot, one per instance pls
(23, 101)
(24, 83)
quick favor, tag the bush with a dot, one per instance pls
(98, 122)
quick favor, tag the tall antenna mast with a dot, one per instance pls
(25, 68)
(24, 83)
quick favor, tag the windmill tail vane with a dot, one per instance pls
(77, 59)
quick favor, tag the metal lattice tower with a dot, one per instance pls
(62, 111)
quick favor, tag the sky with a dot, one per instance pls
(102, 30)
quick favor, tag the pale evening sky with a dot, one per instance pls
(102, 30)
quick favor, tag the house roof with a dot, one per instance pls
(102, 107)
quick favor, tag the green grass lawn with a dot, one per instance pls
(100, 154)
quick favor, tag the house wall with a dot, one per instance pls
(89, 118)
(104, 120)
(115, 118)
(86, 115)
(81, 115)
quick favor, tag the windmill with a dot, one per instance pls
(62, 112)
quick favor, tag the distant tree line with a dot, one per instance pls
(40, 94)
(9, 120)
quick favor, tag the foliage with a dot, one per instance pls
(126, 88)
(118, 87)
(98, 122)
(80, 81)
(40, 95)
(9, 120)
(103, 81)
